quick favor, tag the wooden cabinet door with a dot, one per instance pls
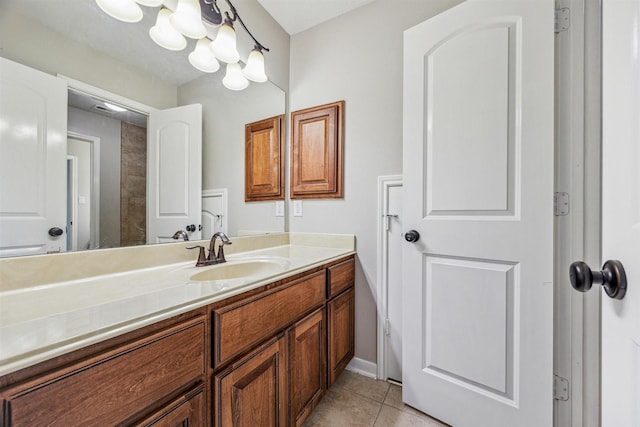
(113, 387)
(263, 160)
(341, 312)
(252, 391)
(307, 365)
(187, 411)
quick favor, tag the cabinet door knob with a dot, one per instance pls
(612, 278)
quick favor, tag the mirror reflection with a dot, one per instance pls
(108, 195)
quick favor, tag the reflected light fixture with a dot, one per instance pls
(202, 58)
(122, 10)
(254, 70)
(234, 79)
(187, 19)
(164, 34)
(150, 3)
(224, 46)
(112, 107)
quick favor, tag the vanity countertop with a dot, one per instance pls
(41, 322)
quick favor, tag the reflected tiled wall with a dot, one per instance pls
(133, 185)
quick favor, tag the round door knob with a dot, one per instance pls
(55, 231)
(612, 278)
(191, 228)
(412, 236)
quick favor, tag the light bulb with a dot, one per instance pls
(254, 70)
(164, 34)
(122, 10)
(224, 46)
(188, 19)
(234, 79)
(150, 3)
(202, 58)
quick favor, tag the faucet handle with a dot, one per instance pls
(202, 259)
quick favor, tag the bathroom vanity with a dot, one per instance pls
(251, 352)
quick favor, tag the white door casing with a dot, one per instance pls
(174, 158)
(214, 212)
(33, 152)
(389, 281)
(478, 186)
(620, 369)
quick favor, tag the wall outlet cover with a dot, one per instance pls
(297, 208)
(280, 208)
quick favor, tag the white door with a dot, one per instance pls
(620, 374)
(174, 181)
(478, 180)
(33, 161)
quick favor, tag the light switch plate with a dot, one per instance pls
(280, 208)
(297, 208)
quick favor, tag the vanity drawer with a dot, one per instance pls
(341, 276)
(115, 386)
(239, 326)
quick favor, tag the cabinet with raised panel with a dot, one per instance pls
(307, 365)
(263, 357)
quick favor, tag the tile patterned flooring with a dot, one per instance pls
(356, 400)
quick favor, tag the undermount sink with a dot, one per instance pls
(241, 269)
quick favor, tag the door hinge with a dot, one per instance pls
(561, 204)
(387, 328)
(562, 19)
(560, 388)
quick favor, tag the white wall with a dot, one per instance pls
(108, 130)
(29, 43)
(358, 57)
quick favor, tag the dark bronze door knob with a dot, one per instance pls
(612, 278)
(55, 231)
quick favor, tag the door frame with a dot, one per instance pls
(104, 95)
(222, 193)
(577, 235)
(382, 282)
(94, 227)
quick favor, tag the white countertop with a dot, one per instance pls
(41, 322)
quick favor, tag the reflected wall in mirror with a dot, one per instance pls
(226, 114)
(76, 39)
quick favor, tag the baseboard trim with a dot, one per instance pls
(363, 367)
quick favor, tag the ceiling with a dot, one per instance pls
(298, 15)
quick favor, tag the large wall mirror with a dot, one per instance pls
(76, 39)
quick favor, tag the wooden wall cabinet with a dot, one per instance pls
(263, 160)
(317, 152)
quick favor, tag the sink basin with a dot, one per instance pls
(241, 269)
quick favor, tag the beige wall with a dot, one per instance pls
(358, 57)
(31, 44)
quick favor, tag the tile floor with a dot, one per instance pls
(356, 400)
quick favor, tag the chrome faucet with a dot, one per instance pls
(213, 257)
(181, 233)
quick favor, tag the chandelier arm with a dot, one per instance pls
(236, 16)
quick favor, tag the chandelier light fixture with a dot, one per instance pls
(172, 26)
